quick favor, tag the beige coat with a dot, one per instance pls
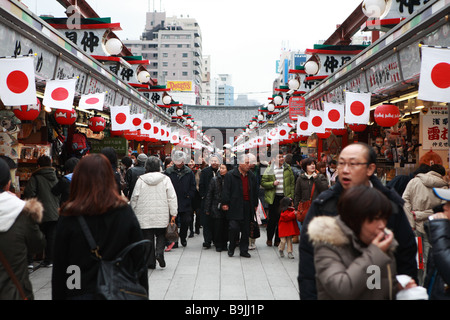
(344, 265)
(420, 198)
(154, 200)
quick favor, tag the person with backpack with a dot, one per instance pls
(111, 221)
(62, 188)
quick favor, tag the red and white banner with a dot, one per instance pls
(283, 132)
(120, 118)
(147, 127)
(174, 137)
(434, 83)
(136, 120)
(59, 94)
(303, 128)
(17, 81)
(93, 101)
(334, 115)
(316, 121)
(357, 107)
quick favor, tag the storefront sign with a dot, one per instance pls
(179, 85)
(296, 107)
(435, 129)
(65, 70)
(384, 75)
(119, 144)
(14, 44)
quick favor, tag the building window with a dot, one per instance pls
(185, 64)
(185, 55)
(165, 64)
(185, 74)
(165, 55)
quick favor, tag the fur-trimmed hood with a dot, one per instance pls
(333, 231)
(12, 206)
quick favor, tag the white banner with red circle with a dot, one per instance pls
(334, 115)
(59, 94)
(93, 101)
(357, 107)
(434, 83)
(17, 81)
(120, 118)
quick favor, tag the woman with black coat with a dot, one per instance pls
(111, 221)
(213, 208)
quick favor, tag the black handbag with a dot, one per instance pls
(118, 279)
(172, 231)
(254, 229)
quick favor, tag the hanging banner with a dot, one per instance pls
(435, 129)
(434, 84)
(297, 107)
(17, 81)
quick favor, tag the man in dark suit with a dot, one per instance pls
(239, 201)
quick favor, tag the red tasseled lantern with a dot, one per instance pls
(325, 135)
(97, 124)
(116, 133)
(65, 117)
(339, 132)
(357, 127)
(28, 112)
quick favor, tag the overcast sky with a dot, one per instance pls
(243, 37)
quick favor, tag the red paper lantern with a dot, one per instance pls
(65, 117)
(97, 124)
(28, 112)
(339, 132)
(130, 135)
(325, 135)
(357, 127)
(387, 115)
(116, 133)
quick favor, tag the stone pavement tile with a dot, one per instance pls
(181, 287)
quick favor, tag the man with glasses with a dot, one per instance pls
(356, 166)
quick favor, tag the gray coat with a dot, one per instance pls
(343, 263)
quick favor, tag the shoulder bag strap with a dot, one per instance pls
(89, 237)
(312, 191)
(13, 276)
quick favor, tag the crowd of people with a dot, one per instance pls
(354, 222)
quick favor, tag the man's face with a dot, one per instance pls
(245, 167)
(353, 169)
(214, 162)
(280, 160)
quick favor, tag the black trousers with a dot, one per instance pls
(273, 218)
(48, 228)
(156, 247)
(242, 227)
(185, 219)
(220, 228)
(207, 224)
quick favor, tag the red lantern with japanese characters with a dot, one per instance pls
(357, 127)
(117, 133)
(65, 117)
(97, 124)
(387, 115)
(27, 112)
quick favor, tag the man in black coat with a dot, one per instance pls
(240, 201)
(134, 173)
(356, 166)
(183, 181)
(206, 176)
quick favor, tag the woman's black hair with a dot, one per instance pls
(362, 203)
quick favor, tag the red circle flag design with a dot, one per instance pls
(439, 75)
(334, 115)
(304, 125)
(92, 100)
(147, 126)
(283, 132)
(316, 121)
(121, 118)
(357, 108)
(60, 94)
(17, 81)
(137, 121)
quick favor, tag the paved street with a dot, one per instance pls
(195, 273)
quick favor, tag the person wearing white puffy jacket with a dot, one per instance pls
(154, 202)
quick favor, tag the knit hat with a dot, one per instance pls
(141, 158)
(178, 157)
(5, 174)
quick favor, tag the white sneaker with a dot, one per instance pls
(290, 255)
